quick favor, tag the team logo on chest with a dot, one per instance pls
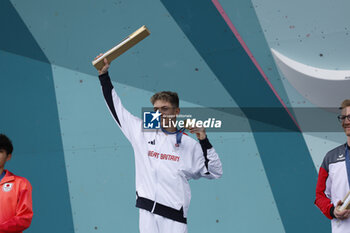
(7, 187)
(341, 157)
(152, 142)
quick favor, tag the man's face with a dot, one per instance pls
(167, 110)
(4, 157)
(346, 122)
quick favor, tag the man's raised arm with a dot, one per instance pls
(128, 123)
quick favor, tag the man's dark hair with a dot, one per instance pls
(168, 96)
(6, 144)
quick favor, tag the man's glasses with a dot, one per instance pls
(341, 118)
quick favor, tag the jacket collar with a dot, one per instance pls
(7, 178)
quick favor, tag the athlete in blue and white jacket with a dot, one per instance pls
(163, 164)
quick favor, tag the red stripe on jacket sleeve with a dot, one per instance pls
(322, 201)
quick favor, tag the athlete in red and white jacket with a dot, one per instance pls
(333, 183)
(163, 164)
(15, 195)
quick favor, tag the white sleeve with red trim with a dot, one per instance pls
(129, 124)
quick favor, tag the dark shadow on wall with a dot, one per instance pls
(15, 36)
(29, 117)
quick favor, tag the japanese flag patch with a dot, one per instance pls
(7, 187)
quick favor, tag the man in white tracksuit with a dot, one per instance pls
(164, 160)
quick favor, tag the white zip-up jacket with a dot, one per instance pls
(162, 169)
(332, 186)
